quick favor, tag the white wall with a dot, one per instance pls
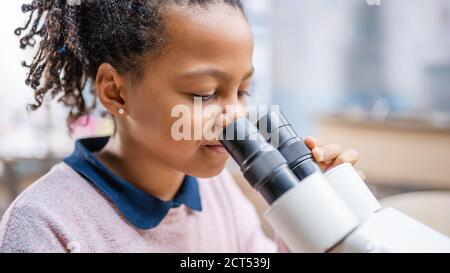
(23, 133)
(260, 13)
(316, 47)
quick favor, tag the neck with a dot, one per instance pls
(126, 158)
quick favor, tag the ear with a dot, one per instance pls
(109, 89)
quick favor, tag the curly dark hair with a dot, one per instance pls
(76, 38)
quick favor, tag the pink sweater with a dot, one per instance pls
(63, 212)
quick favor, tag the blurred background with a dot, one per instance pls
(373, 75)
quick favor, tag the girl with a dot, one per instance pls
(140, 190)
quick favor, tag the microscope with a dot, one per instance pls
(313, 211)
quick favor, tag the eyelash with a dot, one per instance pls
(244, 94)
(210, 97)
(205, 98)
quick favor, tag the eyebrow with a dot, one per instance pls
(210, 71)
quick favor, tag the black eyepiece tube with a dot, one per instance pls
(261, 164)
(278, 131)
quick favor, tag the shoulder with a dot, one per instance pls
(57, 189)
(38, 218)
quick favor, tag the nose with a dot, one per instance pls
(229, 114)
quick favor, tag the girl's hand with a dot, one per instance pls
(330, 155)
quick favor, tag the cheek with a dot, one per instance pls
(148, 120)
(151, 123)
(195, 158)
(206, 123)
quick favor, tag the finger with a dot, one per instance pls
(362, 175)
(311, 142)
(325, 166)
(348, 156)
(326, 153)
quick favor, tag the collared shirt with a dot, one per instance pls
(141, 209)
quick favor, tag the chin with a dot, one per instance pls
(209, 171)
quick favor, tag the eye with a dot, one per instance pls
(243, 94)
(205, 98)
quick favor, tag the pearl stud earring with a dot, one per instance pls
(121, 111)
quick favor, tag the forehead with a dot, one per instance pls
(215, 35)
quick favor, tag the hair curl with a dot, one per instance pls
(76, 39)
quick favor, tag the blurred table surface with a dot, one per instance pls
(397, 152)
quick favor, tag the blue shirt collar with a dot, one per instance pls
(139, 208)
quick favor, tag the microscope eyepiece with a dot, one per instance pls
(261, 164)
(279, 132)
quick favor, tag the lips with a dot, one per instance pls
(214, 144)
(216, 147)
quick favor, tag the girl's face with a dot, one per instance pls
(208, 56)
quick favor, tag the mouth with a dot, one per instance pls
(216, 147)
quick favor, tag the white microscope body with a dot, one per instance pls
(336, 212)
(316, 212)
